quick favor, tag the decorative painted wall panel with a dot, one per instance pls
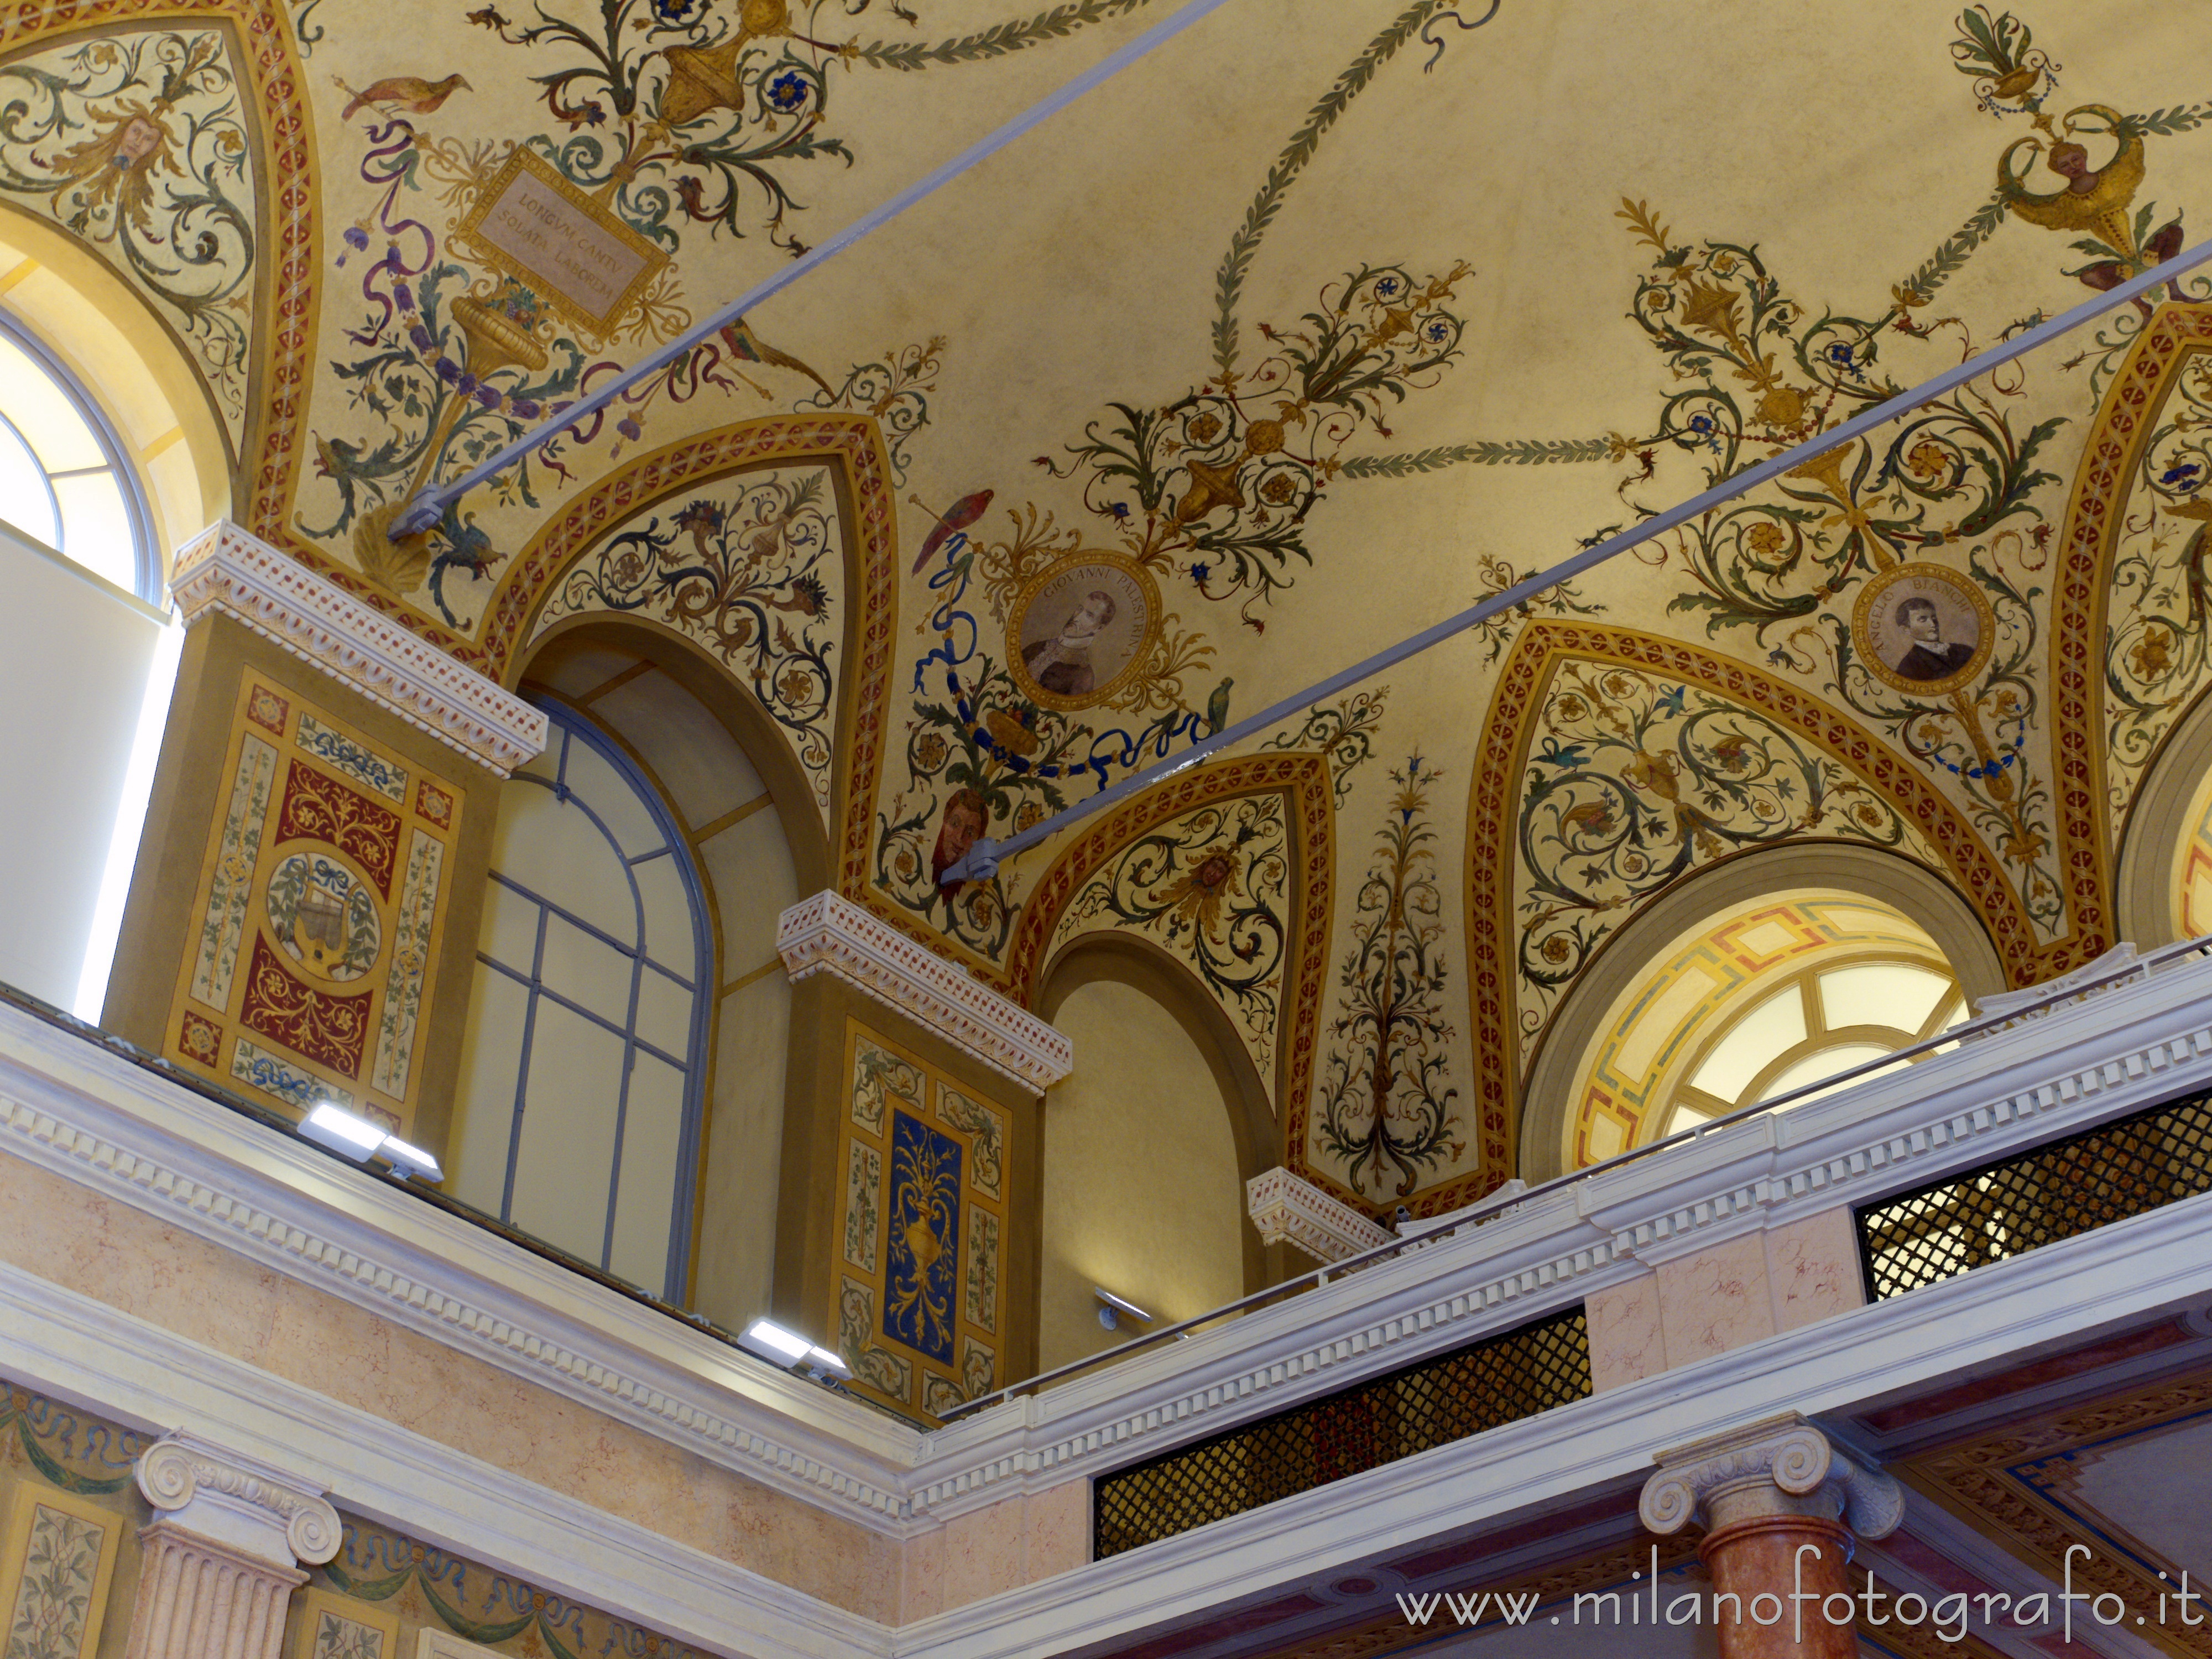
(396, 1597)
(339, 1627)
(318, 905)
(66, 1503)
(920, 1305)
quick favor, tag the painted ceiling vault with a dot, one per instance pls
(1311, 328)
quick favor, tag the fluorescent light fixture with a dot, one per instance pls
(409, 1161)
(355, 1137)
(342, 1131)
(1112, 1307)
(827, 1362)
(771, 1341)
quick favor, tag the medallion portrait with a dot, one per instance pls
(1923, 628)
(1081, 629)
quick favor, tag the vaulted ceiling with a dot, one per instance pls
(1314, 325)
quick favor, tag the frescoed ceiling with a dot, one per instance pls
(1309, 329)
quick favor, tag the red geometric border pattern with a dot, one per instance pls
(1491, 839)
(289, 277)
(854, 445)
(2102, 484)
(1304, 781)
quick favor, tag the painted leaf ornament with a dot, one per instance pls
(965, 512)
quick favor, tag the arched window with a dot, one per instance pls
(65, 483)
(1766, 998)
(577, 1114)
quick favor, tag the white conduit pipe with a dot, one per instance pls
(427, 507)
(983, 858)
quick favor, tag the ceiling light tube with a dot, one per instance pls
(771, 1341)
(330, 1125)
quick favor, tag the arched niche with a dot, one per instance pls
(1831, 869)
(110, 339)
(2166, 844)
(739, 805)
(1146, 1148)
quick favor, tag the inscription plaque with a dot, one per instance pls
(540, 229)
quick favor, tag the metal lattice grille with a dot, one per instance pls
(1499, 1380)
(2070, 1187)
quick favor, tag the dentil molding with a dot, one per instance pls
(239, 1501)
(1289, 1209)
(1783, 1453)
(828, 934)
(225, 569)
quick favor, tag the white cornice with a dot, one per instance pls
(69, 1345)
(1289, 1209)
(91, 1115)
(828, 935)
(229, 570)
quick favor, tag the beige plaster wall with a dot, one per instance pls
(116, 1255)
(1142, 1193)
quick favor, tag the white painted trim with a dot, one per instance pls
(1289, 1209)
(828, 935)
(70, 1346)
(229, 570)
(93, 1115)
(76, 1108)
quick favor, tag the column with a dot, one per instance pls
(221, 1557)
(1782, 1509)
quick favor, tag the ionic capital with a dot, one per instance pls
(1781, 1466)
(237, 1502)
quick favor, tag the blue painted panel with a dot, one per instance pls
(922, 1287)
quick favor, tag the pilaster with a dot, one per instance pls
(224, 1558)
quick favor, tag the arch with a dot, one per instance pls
(1861, 773)
(105, 334)
(2162, 822)
(2089, 663)
(1890, 881)
(744, 806)
(1141, 1183)
(687, 663)
(592, 990)
(1143, 965)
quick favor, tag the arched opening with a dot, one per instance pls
(1147, 1149)
(739, 815)
(2162, 886)
(109, 458)
(1766, 998)
(582, 1079)
(1749, 980)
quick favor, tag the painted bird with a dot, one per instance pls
(748, 347)
(1217, 708)
(408, 94)
(962, 513)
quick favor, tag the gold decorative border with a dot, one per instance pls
(1016, 611)
(1975, 1481)
(2096, 512)
(1304, 780)
(1492, 841)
